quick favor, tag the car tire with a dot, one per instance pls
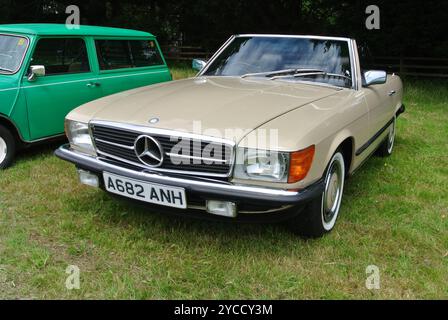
(386, 148)
(7, 148)
(320, 214)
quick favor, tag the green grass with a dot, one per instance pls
(394, 216)
(181, 70)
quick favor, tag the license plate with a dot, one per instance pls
(144, 191)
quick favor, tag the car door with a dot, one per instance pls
(380, 102)
(129, 63)
(68, 83)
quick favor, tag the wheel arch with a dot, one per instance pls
(10, 125)
(345, 142)
(347, 148)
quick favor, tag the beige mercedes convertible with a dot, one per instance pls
(268, 130)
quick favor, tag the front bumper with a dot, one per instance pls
(265, 200)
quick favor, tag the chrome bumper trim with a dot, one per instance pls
(205, 187)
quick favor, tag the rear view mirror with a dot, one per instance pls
(372, 77)
(35, 72)
(198, 64)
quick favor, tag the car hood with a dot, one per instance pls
(209, 104)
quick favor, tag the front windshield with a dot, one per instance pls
(12, 50)
(253, 56)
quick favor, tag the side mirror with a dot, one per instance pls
(372, 77)
(198, 64)
(35, 72)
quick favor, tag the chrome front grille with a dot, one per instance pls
(117, 142)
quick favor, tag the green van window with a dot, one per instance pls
(12, 51)
(120, 54)
(61, 56)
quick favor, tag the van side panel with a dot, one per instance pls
(13, 103)
(8, 95)
(20, 105)
(19, 117)
(51, 97)
(114, 81)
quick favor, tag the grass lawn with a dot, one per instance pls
(394, 215)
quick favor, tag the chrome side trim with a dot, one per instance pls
(86, 80)
(378, 134)
(9, 89)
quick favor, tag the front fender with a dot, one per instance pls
(326, 123)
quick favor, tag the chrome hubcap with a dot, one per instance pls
(3, 150)
(334, 184)
(391, 138)
(333, 191)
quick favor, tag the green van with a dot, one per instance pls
(46, 70)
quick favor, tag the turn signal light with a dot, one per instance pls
(300, 164)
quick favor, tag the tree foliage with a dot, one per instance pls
(406, 26)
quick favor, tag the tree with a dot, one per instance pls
(408, 27)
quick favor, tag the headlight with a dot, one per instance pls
(261, 165)
(79, 136)
(273, 166)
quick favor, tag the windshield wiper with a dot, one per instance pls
(287, 73)
(280, 73)
(269, 73)
(311, 73)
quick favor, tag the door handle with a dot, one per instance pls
(392, 92)
(93, 84)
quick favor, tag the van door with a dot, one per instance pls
(129, 63)
(68, 83)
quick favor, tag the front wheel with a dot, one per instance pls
(320, 215)
(7, 148)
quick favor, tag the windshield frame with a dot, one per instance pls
(28, 41)
(350, 44)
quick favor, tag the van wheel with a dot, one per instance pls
(387, 146)
(7, 147)
(320, 215)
